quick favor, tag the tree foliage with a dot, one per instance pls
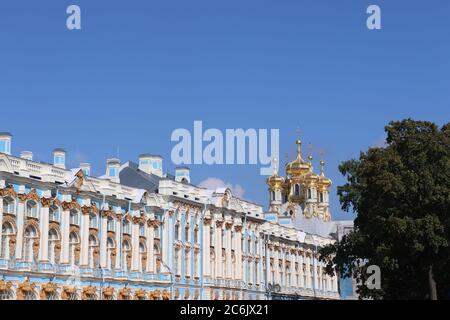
(401, 194)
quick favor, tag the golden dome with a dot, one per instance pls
(323, 182)
(298, 167)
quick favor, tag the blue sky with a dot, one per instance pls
(139, 69)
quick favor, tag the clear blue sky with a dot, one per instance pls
(139, 69)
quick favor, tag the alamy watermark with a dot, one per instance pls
(236, 146)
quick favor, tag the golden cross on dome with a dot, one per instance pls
(275, 167)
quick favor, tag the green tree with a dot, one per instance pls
(401, 194)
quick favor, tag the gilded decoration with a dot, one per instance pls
(5, 286)
(24, 288)
(108, 213)
(67, 291)
(72, 205)
(88, 292)
(47, 202)
(165, 295)
(108, 293)
(8, 192)
(139, 294)
(92, 209)
(47, 290)
(124, 294)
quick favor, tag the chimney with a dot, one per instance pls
(5, 142)
(151, 164)
(182, 174)
(86, 168)
(27, 155)
(59, 158)
(112, 169)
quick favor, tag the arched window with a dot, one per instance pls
(272, 195)
(142, 254)
(92, 246)
(30, 235)
(309, 193)
(53, 213)
(32, 209)
(126, 248)
(321, 197)
(7, 234)
(53, 238)
(297, 190)
(8, 205)
(74, 217)
(156, 258)
(73, 242)
(110, 246)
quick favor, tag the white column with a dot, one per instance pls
(1, 222)
(65, 229)
(84, 250)
(118, 229)
(228, 249)
(150, 267)
(165, 242)
(20, 222)
(315, 269)
(238, 252)
(206, 250)
(103, 240)
(277, 267)
(218, 247)
(43, 250)
(135, 247)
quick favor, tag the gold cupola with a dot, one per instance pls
(323, 182)
(275, 181)
(298, 167)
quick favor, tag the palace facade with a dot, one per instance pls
(138, 232)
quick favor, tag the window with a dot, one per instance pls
(126, 227)
(142, 253)
(93, 222)
(196, 234)
(92, 246)
(186, 234)
(5, 146)
(156, 258)
(53, 214)
(7, 234)
(177, 232)
(110, 225)
(74, 217)
(309, 194)
(53, 238)
(73, 242)
(297, 190)
(126, 249)
(58, 159)
(112, 172)
(8, 205)
(321, 197)
(142, 230)
(272, 194)
(32, 209)
(29, 236)
(110, 246)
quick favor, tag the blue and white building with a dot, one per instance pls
(138, 232)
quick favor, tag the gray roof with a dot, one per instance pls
(5, 134)
(131, 176)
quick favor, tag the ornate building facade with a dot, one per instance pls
(139, 233)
